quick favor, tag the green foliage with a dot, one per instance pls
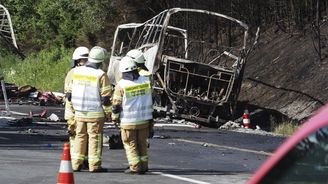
(47, 31)
(23, 15)
(43, 24)
(58, 23)
(45, 70)
(99, 20)
(40, 24)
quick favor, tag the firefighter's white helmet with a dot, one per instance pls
(127, 64)
(137, 56)
(80, 53)
(97, 55)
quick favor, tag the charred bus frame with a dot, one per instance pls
(197, 58)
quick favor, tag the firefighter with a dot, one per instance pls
(132, 108)
(91, 94)
(79, 58)
(140, 60)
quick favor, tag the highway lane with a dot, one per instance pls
(31, 154)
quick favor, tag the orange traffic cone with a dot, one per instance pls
(65, 175)
(246, 120)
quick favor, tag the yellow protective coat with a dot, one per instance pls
(69, 110)
(134, 134)
(89, 130)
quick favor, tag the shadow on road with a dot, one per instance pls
(33, 136)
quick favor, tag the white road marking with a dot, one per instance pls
(225, 147)
(181, 178)
(50, 123)
(173, 125)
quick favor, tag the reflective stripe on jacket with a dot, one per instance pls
(137, 101)
(86, 91)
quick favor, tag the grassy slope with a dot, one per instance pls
(45, 70)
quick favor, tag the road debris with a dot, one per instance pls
(31, 131)
(170, 122)
(48, 98)
(205, 145)
(4, 113)
(20, 122)
(30, 95)
(230, 125)
(161, 137)
(42, 114)
(115, 141)
(53, 117)
(11, 121)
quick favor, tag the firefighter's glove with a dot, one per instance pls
(71, 130)
(116, 122)
(71, 127)
(105, 101)
(68, 96)
(116, 109)
(109, 117)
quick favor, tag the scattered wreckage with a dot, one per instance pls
(31, 96)
(197, 59)
(28, 95)
(10, 93)
(7, 39)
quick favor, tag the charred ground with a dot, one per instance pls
(285, 76)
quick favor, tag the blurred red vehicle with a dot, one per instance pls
(302, 158)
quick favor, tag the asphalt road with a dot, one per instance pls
(31, 153)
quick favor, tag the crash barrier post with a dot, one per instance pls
(3, 86)
(246, 119)
(65, 175)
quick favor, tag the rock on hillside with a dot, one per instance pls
(284, 74)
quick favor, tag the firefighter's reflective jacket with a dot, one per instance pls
(88, 87)
(136, 99)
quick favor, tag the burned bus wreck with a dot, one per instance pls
(197, 59)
